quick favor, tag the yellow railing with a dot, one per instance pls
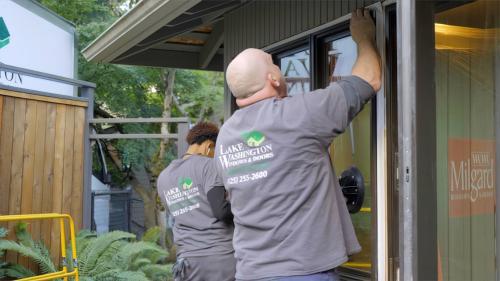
(64, 272)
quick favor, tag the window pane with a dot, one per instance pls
(296, 70)
(353, 148)
(342, 55)
(467, 41)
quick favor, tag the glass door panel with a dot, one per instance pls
(353, 147)
(467, 48)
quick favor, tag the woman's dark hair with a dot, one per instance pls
(201, 132)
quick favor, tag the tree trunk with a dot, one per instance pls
(141, 183)
(169, 78)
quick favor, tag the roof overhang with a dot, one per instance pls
(166, 33)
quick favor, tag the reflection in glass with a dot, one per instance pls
(342, 55)
(353, 148)
(296, 70)
(467, 41)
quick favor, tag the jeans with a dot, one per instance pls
(217, 267)
(330, 275)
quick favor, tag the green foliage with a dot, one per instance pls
(3, 232)
(111, 256)
(82, 12)
(117, 256)
(132, 91)
(152, 235)
(14, 271)
(158, 272)
(24, 238)
(25, 246)
(117, 274)
(130, 252)
(201, 93)
(96, 247)
(83, 238)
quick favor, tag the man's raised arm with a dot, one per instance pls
(368, 64)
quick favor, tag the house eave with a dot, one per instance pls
(135, 26)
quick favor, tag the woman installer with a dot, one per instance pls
(195, 196)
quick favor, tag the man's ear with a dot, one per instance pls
(275, 82)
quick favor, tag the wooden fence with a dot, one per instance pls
(41, 161)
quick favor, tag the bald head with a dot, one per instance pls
(248, 71)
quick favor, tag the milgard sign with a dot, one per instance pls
(471, 177)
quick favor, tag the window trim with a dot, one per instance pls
(285, 52)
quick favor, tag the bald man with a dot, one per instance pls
(291, 220)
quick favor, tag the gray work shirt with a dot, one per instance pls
(289, 212)
(183, 187)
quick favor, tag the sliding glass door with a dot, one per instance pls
(467, 71)
(353, 148)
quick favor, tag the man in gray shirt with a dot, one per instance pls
(195, 196)
(291, 220)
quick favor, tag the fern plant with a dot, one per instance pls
(118, 256)
(152, 235)
(114, 256)
(25, 246)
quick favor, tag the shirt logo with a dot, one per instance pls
(183, 198)
(4, 34)
(253, 138)
(186, 183)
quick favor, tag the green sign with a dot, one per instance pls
(4, 34)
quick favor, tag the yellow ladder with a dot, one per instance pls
(62, 217)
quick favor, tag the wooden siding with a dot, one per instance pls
(261, 23)
(41, 162)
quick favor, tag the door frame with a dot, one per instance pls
(417, 141)
(391, 71)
